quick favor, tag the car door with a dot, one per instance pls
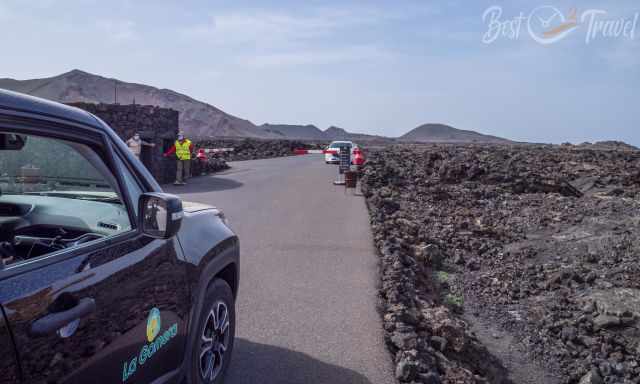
(111, 310)
(8, 360)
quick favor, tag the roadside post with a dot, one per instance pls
(344, 165)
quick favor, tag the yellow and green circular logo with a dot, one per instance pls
(153, 324)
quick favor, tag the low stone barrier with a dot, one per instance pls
(253, 149)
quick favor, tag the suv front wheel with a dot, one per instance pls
(216, 331)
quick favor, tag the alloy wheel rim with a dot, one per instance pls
(214, 341)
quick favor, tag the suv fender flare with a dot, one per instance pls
(227, 256)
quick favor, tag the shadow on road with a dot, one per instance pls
(266, 364)
(203, 184)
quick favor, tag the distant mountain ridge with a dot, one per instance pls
(290, 131)
(199, 119)
(442, 133)
(337, 133)
(196, 118)
(311, 132)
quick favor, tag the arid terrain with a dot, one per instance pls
(509, 263)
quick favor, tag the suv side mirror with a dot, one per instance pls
(160, 215)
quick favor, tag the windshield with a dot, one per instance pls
(340, 145)
(53, 167)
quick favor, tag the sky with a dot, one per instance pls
(367, 66)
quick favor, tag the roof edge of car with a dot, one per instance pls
(20, 102)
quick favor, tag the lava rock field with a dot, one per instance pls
(508, 263)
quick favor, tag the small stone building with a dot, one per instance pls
(156, 125)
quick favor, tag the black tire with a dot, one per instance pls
(217, 293)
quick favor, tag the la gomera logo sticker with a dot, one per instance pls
(153, 324)
(156, 341)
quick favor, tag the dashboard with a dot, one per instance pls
(33, 225)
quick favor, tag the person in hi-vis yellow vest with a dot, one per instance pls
(182, 148)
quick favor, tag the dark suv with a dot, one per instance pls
(103, 277)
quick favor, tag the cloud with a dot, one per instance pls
(237, 28)
(276, 38)
(273, 27)
(118, 30)
(319, 57)
(262, 27)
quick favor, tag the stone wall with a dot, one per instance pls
(156, 125)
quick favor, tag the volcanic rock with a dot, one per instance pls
(545, 232)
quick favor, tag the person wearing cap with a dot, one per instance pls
(135, 145)
(182, 148)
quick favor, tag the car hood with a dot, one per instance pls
(191, 207)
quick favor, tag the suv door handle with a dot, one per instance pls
(51, 323)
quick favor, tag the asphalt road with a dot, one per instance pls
(306, 309)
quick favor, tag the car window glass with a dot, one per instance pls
(132, 185)
(55, 195)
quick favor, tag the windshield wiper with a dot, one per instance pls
(105, 199)
(79, 196)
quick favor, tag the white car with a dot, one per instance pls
(332, 154)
